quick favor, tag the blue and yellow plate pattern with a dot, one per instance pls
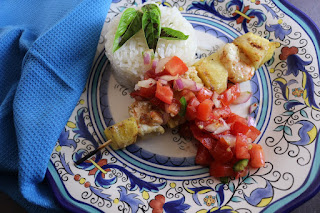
(158, 174)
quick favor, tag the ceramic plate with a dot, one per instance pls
(158, 173)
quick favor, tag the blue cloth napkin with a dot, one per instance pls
(46, 51)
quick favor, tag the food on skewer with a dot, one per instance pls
(169, 92)
(213, 73)
(90, 154)
(236, 61)
(257, 49)
(149, 120)
(122, 134)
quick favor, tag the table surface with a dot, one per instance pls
(311, 8)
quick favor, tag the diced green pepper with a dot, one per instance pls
(224, 180)
(183, 106)
(240, 165)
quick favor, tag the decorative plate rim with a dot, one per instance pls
(67, 201)
(314, 187)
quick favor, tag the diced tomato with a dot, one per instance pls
(175, 66)
(241, 148)
(164, 93)
(201, 124)
(191, 113)
(192, 107)
(173, 108)
(239, 127)
(204, 110)
(151, 74)
(218, 169)
(234, 117)
(145, 92)
(231, 94)
(223, 112)
(239, 124)
(203, 137)
(253, 133)
(222, 152)
(194, 102)
(187, 94)
(204, 94)
(157, 103)
(203, 156)
(227, 138)
(256, 156)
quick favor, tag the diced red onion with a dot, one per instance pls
(154, 64)
(253, 107)
(178, 85)
(161, 64)
(148, 55)
(217, 127)
(229, 94)
(136, 87)
(183, 83)
(163, 82)
(145, 83)
(243, 98)
(199, 86)
(230, 139)
(169, 77)
(189, 84)
(251, 121)
(146, 58)
(216, 101)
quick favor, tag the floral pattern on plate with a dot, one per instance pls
(151, 178)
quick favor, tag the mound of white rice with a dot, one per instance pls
(127, 62)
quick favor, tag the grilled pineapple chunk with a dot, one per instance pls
(122, 134)
(212, 73)
(258, 50)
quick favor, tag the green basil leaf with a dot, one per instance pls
(171, 34)
(130, 23)
(151, 24)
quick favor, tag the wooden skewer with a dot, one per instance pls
(81, 160)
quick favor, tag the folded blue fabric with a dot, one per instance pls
(46, 51)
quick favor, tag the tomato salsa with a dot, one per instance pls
(226, 140)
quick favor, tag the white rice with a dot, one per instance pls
(127, 62)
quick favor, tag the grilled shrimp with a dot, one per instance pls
(238, 66)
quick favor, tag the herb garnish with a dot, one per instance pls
(171, 34)
(151, 24)
(132, 21)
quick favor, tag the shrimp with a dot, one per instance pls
(236, 63)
